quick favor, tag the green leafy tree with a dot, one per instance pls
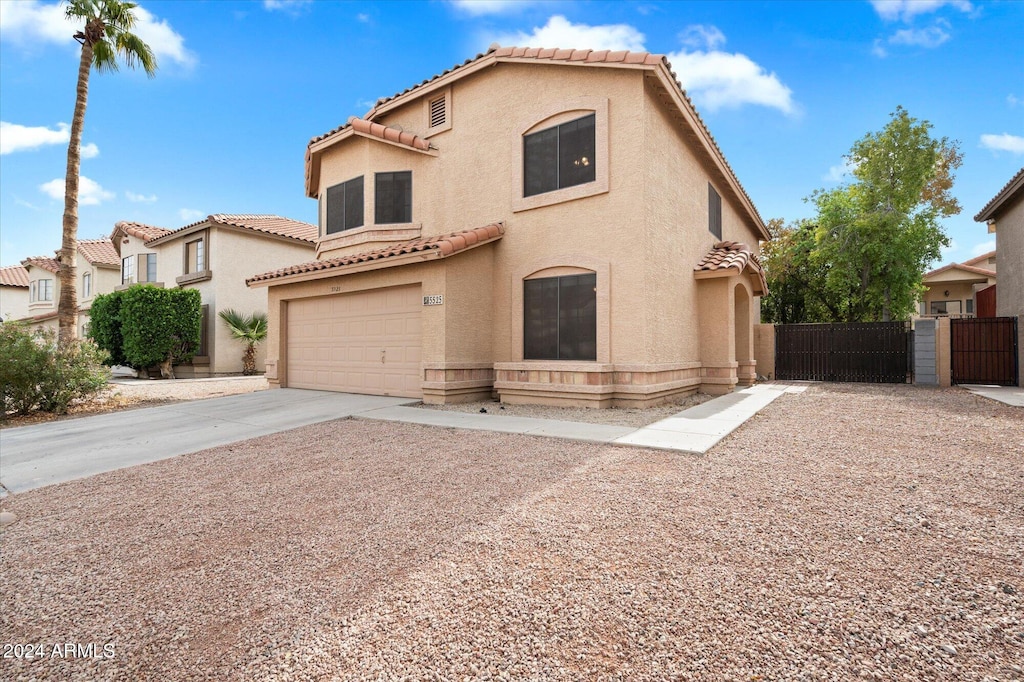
(105, 37)
(160, 326)
(877, 235)
(250, 330)
(105, 326)
(796, 280)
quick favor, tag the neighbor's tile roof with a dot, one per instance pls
(1009, 190)
(43, 262)
(14, 276)
(961, 266)
(444, 245)
(978, 259)
(99, 251)
(140, 230)
(732, 255)
(267, 224)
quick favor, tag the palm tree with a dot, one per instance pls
(251, 330)
(105, 37)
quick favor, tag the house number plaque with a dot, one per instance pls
(437, 299)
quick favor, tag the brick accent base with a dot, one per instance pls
(454, 382)
(594, 385)
(718, 380)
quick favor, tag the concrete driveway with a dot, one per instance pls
(35, 456)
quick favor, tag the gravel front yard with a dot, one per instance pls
(848, 531)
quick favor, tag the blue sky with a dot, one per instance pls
(786, 88)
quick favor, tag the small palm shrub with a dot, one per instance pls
(250, 330)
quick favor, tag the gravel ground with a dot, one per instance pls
(846, 532)
(188, 389)
(615, 416)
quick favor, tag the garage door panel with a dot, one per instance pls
(335, 342)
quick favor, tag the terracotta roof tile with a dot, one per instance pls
(140, 230)
(978, 259)
(43, 262)
(267, 224)
(1011, 188)
(735, 256)
(444, 245)
(14, 276)
(570, 55)
(99, 251)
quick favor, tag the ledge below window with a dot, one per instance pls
(370, 234)
(193, 277)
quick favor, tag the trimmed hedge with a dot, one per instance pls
(105, 326)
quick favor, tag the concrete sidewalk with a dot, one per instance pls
(1008, 395)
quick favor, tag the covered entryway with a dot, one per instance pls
(362, 342)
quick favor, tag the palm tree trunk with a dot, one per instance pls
(249, 360)
(67, 307)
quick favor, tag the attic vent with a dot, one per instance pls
(438, 112)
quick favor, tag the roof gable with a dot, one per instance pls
(100, 252)
(948, 273)
(138, 230)
(1010, 191)
(260, 224)
(14, 276)
(732, 258)
(43, 262)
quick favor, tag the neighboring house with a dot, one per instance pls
(213, 256)
(13, 293)
(1004, 215)
(43, 292)
(554, 226)
(953, 290)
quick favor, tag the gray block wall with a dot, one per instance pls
(925, 370)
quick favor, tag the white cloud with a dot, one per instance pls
(289, 6)
(140, 198)
(191, 215)
(480, 7)
(891, 10)
(840, 172)
(363, 18)
(17, 138)
(724, 80)
(560, 32)
(1013, 100)
(30, 22)
(878, 49)
(932, 36)
(948, 251)
(89, 151)
(984, 247)
(701, 37)
(89, 191)
(1003, 143)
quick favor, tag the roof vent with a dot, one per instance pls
(438, 111)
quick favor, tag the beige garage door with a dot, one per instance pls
(365, 342)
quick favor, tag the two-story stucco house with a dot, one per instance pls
(13, 292)
(96, 266)
(213, 255)
(553, 226)
(1004, 214)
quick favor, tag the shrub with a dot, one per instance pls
(38, 373)
(160, 326)
(105, 326)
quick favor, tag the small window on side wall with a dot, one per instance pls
(559, 157)
(87, 285)
(345, 206)
(195, 256)
(393, 198)
(714, 212)
(560, 318)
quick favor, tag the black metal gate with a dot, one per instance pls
(984, 350)
(876, 352)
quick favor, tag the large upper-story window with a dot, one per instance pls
(195, 256)
(128, 270)
(41, 290)
(558, 157)
(560, 318)
(393, 198)
(147, 267)
(345, 206)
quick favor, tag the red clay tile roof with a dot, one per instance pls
(978, 259)
(43, 262)
(1009, 190)
(99, 252)
(389, 133)
(14, 276)
(140, 230)
(442, 246)
(267, 224)
(962, 266)
(734, 256)
(570, 56)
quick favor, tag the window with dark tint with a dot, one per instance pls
(345, 206)
(560, 318)
(714, 212)
(393, 194)
(562, 156)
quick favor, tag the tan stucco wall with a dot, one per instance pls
(13, 302)
(764, 349)
(642, 226)
(1010, 247)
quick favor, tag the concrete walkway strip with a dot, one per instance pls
(1008, 395)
